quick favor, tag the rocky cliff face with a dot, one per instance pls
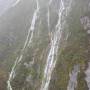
(45, 45)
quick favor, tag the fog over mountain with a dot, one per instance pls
(44, 44)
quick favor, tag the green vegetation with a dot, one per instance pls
(73, 51)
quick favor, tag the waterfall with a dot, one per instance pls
(26, 44)
(73, 78)
(48, 19)
(54, 45)
(87, 72)
(32, 28)
(48, 15)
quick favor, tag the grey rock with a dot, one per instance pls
(88, 31)
(85, 21)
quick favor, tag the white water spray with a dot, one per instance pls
(51, 59)
(26, 44)
(73, 78)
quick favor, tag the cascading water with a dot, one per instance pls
(27, 43)
(32, 28)
(73, 78)
(48, 19)
(8, 5)
(48, 15)
(55, 40)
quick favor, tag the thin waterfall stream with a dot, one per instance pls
(55, 40)
(44, 44)
(27, 43)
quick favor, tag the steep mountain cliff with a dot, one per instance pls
(45, 45)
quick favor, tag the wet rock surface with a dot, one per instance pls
(45, 45)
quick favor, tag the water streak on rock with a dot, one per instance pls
(32, 27)
(26, 44)
(55, 40)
